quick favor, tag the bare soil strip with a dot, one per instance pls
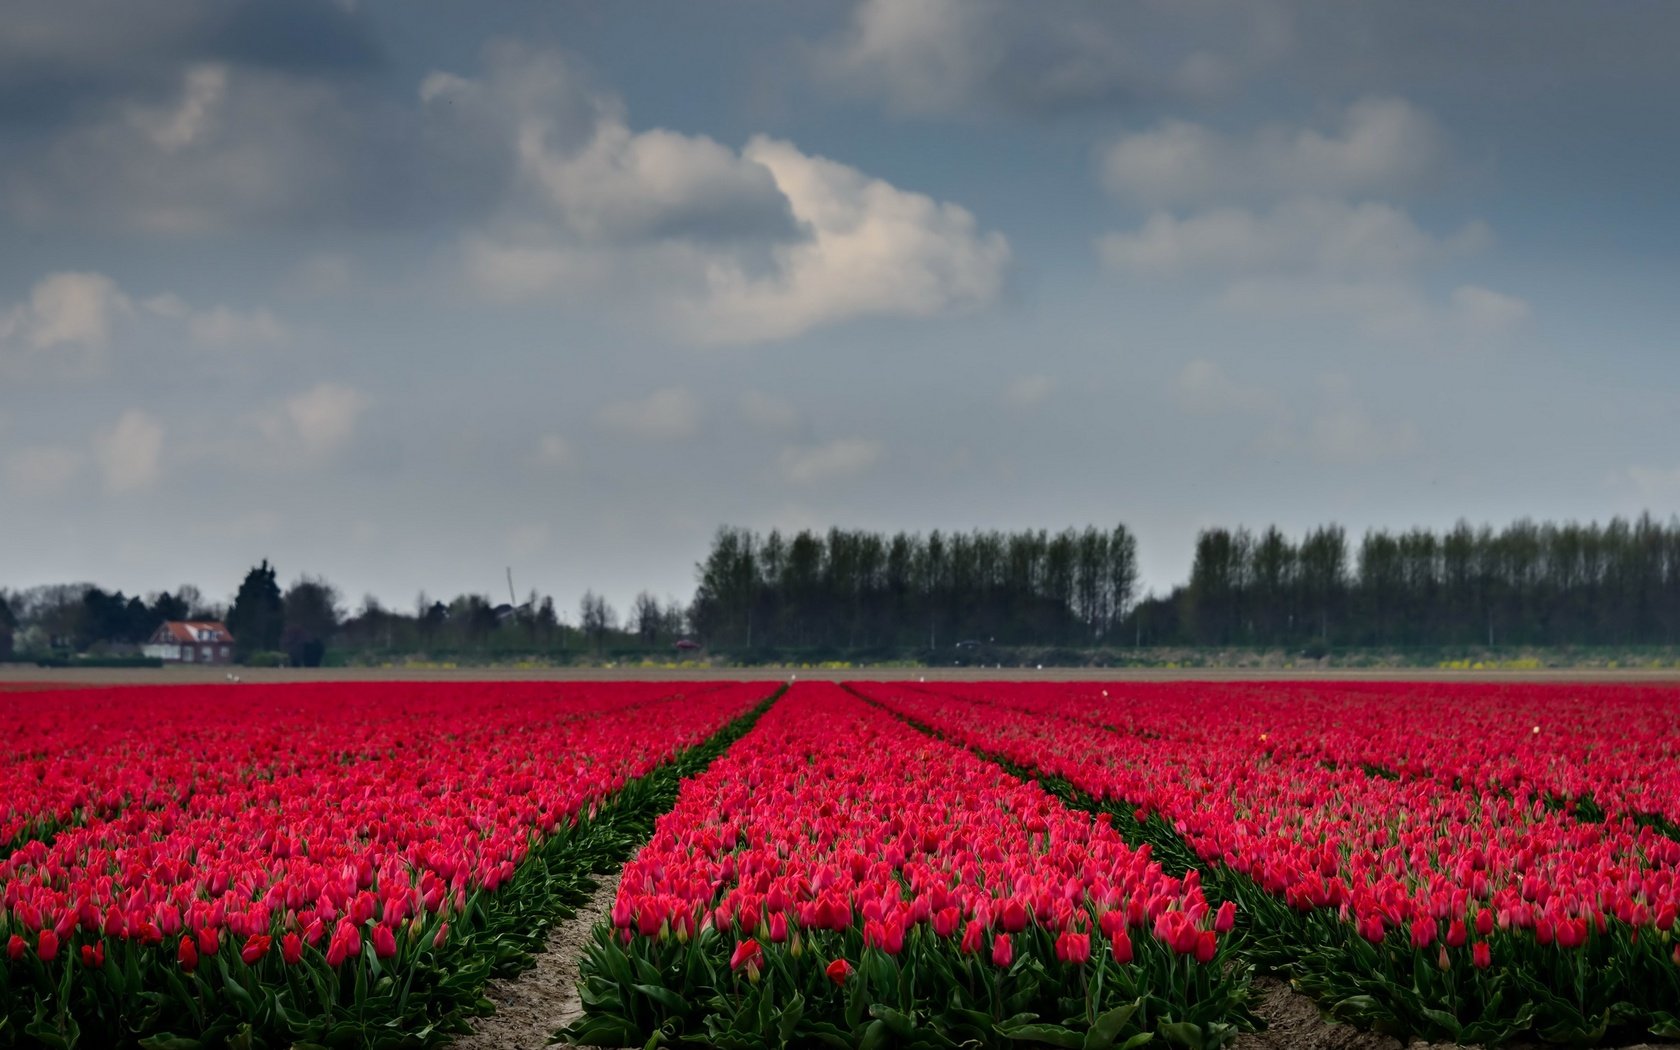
(1294, 1023)
(530, 1008)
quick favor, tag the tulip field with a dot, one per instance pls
(338, 865)
(877, 864)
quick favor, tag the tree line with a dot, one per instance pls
(298, 624)
(859, 590)
(1535, 584)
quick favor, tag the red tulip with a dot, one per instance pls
(1003, 951)
(187, 954)
(1457, 934)
(1013, 917)
(256, 946)
(291, 949)
(1666, 916)
(93, 955)
(1226, 918)
(1423, 931)
(974, 935)
(1121, 945)
(384, 942)
(747, 953)
(946, 921)
(1481, 955)
(46, 946)
(1484, 922)
(1207, 945)
(1073, 947)
(838, 971)
(15, 947)
(441, 936)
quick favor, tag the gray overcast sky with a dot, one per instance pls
(403, 293)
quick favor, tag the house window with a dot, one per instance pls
(224, 652)
(187, 654)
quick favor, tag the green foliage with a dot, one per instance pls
(422, 997)
(1615, 987)
(852, 590)
(671, 991)
(257, 618)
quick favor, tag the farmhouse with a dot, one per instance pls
(191, 642)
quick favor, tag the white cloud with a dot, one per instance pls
(667, 414)
(580, 165)
(1346, 432)
(1657, 488)
(67, 326)
(64, 327)
(505, 271)
(1308, 234)
(1485, 312)
(223, 326)
(315, 423)
(1029, 392)
(841, 458)
(171, 127)
(130, 452)
(873, 249)
(323, 274)
(1316, 257)
(1382, 146)
(733, 246)
(1389, 308)
(767, 411)
(555, 451)
(1203, 387)
(43, 470)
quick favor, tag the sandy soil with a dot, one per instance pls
(530, 1008)
(1294, 1023)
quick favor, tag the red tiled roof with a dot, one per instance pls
(194, 631)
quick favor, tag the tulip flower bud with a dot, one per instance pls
(1226, 917)
(1121, 946)
(1003, 950)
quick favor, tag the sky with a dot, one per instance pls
(408, 294)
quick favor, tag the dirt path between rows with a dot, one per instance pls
(530, 1008)
(1294, 1023)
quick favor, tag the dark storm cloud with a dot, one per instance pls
(932, 58)
(58, 56)
(313, 36)
(939, 58)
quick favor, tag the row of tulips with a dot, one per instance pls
(1610, 747)
(75, 756)
(330, 865)
(839, 878)
(1440, 902)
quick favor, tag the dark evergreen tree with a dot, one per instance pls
(258, 617)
